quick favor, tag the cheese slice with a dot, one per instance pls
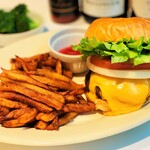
(123, 95)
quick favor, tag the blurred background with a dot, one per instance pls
(63, 13)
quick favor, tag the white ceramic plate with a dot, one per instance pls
(83, 128)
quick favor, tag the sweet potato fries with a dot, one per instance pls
(38, 92)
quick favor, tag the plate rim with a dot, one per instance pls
(45, 35)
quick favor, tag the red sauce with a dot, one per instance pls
(69, 51)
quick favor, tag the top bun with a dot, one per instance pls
(115, 29)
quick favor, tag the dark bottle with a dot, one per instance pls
(64, 11)
(93, 9)
(140, 8)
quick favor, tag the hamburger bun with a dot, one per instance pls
(115, 29)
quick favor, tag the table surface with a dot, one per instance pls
(134, 139)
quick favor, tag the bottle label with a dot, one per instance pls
(104, 8)
(141, 8)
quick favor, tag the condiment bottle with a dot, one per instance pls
(140, 8)
(93, 9)
(64, 11)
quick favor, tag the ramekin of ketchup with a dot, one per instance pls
(60, 44)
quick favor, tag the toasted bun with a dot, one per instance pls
(114, 29)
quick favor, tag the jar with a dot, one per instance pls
(64, 11)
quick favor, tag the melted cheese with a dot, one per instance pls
(122, 95)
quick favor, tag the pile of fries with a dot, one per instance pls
(38, 92)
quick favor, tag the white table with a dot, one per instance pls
(134, 139)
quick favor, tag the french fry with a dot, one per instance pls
(81, 99)
(80, 108)
(52, 75)
(21, 76)
(16, 113)
(50, 62)
(43, 91)
(77, 91)
(22, 120)
(46, 117)
(11, 104)
(67, 73)
(41, 125)
(6, 80)
(57, 83)
(26, 66)
(4, 110)
(67, 118)
(46, 99)
(58, 77)
(70, 98)
(26, 100)
(58, 67)
(54, 125)
(39, 57)
(32, 62)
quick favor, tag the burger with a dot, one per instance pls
(118, 57)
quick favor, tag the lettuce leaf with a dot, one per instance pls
(136, 51)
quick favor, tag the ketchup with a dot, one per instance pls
(69, 51)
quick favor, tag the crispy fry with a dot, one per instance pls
(52, 75)
(67, 73)
(50, 61)
(70, 98)
(57, 83)
(41, 125)
(26, 100)
(16, 113)
(43, 91)
(2, 117)
(11, 104)
(21, 76)
(39, 57)
(81, 99)
(22, 120)
(58, 67)
(32, 63)
(46, 99)
(46, 117)
(4, 79)
(4, 110)
(80, 108)
(67, 118)
(77, 91)
(27, 66)
(54, 125)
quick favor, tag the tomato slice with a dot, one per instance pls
(106, 63)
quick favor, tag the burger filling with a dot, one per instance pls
(115, 96)
(127, 50)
